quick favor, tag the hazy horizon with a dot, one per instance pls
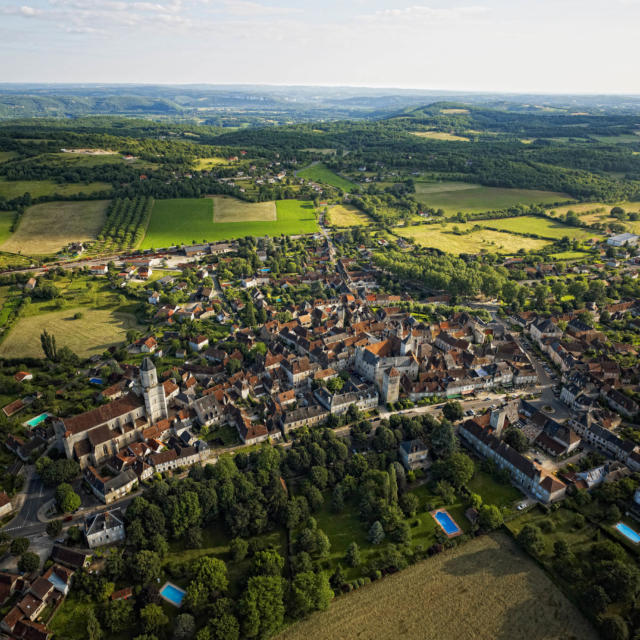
(486, 46)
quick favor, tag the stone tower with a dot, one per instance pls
(390, 385)
(155, 401)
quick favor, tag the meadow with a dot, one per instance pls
(10, 189)
(93, 333)
(7, 155)
(439, 135)
(187, 220)
(346, 215)
(48, 227)
(227, 209)
(439, 236)
(205, 164)
(543, 227)
(6, 220)
(487, 589)
(474, 198)
(321, 173)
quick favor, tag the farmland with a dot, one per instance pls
(227, 209)
(97, 330)
(6, 220)
(205, 164)
(321, 173)
(474, 198)
(346, 215)
(542, 227)
(440, 236)
(14, 188)
(48, 227)
(7, 155)
(439, 135)
(449, 596)
(183, 221)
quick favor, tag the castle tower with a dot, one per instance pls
(148, 374)
(390, 385)
(155, 401)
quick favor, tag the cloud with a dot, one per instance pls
(29, 11)
(421, 14)
(254, 9)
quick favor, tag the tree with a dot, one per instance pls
(54, 528)
(376, 533)
(309, 592)
(239, 549)
(490, 517)
(353, 555)
(596, 599)
(531, 539)
(262, 606)
(153, 618)
(457, 469)
(28, 562)
(614, 628)
(94, 632)
(267, 563)
(184, 627)
(443, 439)
(146, 567)
(212, 573)
(48, 343)
(409, 504)
(19, 546)
(67, 499)
(453, 411)
(117, 615)
(516, 439)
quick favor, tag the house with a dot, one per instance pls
(622, 239)
(23, 376)
(199, 343)
(154, 298)
(103, 528)
(414, 454)
(30, 284)
(113, 488)
(149, 345)
(99, 270)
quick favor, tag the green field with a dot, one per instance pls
(321, 173)
(226, 209)
(10, 189)
(7, 155)
(543, 227)
(439, 135)
(474, 198)
(346, 215)
(183, 221)
(486, 589)
(6, 220)
(439, 236)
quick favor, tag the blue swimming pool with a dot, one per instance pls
(628, 532)
(95, 380)
(446, 522)
(34, 422)
(173, 594)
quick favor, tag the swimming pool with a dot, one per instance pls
(628, 532)
(95, 380)
(34, 422)
(446, 522)
(172, 594)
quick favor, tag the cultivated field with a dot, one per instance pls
(320, 173)
(48, 227)
(346, 215)
(6, 220)
(474, 198)
(97, 330)
(227, 209)
(10, 189)
(485, 590)
(204, 164)
(187, 220)
(440, 135)
(439, 236)
(541, 226)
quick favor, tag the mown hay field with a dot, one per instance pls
(487, 589)
(439, 236)
(93, 333)
(541, 226)
(474, 198)
(204, 164)
(440, 135)
(321, 173)
(227, 209)
(6, 220)
(10, 189)
(346, 215)
(48, 227)
(186, 220)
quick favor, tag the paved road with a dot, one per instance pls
(37, 496)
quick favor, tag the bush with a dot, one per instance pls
(28, 562)
(19, 546)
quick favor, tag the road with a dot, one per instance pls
(37, 495)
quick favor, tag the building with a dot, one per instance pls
(414, 454)
(5, 504)
(111, 488)
(622, 239)
(103, 528)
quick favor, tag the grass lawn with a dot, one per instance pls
(486, 589)
(346, 215)
(474, 198)
(227, 209)
(48, 227)
(541, 226)
(438, 236)
(70, 620)
(181, 221)
(6, 220)
(97, 330)
(321, 173)
(14, 188)
(439, 135)
(491, 491)
(569, 255)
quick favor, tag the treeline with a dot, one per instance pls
(125, 222)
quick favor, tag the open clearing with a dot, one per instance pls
(438, 236)
(439, 135)
(48, 227)
(187, 220)
(6, 220)
(486, 589)
(346, 215)
(227, 209)
(97, 330)
(454, 110)
(321, 173)
(541, 226)
(474, 198)
(7, 155)
(204, 164)
(10, 189)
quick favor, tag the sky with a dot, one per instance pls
(554, 46)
